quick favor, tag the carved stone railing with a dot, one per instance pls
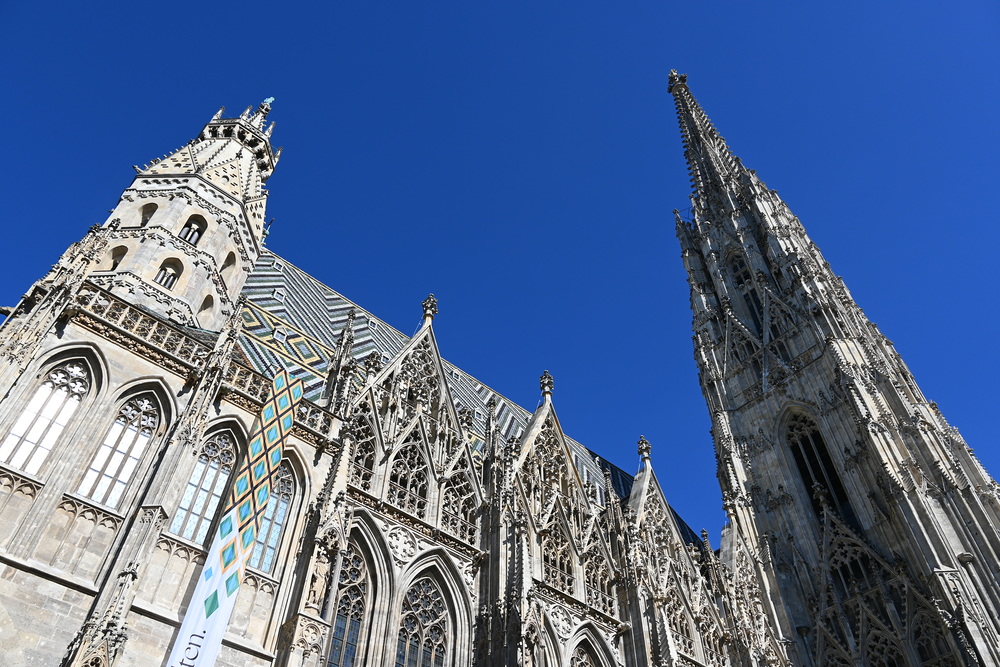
(130, 327)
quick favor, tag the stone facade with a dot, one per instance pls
(419, 518)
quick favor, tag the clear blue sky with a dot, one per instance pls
(521, 159)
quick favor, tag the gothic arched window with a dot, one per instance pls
(816, 467)
(204, 488)
(193, 229)
(227, 267)
(121, 452)
(423, 627)
(353, 592)
(272, 524)
(146, 213)
(743, 281)
(458, 509)
(600, 584)
(168, 274)
(46, 415)
(557, 561)
(408, 479)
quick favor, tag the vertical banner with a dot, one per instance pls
(204, 624)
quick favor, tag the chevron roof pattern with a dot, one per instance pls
(294, 322)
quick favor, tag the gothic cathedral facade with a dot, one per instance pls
(418, 518)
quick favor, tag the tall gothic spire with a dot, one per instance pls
(823, 440)
(710, 162)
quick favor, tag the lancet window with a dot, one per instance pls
(51, 406)
(121, 452)
(408, 480)
(363, 462)
(205, 488)
(743, 281)
(423, 638)
(354, 591)
(458, 509)
(816, 468)
(272, 524)
(600, 584)
(557, 560)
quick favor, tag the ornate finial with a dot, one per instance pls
(268, 100)
(430, 305)
(546, 382)
(373, 362)
(643, 447)
(675, 79)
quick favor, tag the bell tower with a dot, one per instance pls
(185, 234)
(873, 525)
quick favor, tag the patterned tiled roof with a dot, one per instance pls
(294, 321)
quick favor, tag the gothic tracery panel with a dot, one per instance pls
(42, 421)
(121, 452)
(423, 636)
(408, 478)
(352, 613)
(273, 523)
(458, 509)
(204, 488)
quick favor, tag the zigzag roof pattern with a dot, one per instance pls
(294, 321)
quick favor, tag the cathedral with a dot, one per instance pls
(417, 518)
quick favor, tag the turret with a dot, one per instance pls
(186, 233)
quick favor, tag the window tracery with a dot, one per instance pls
(204, 488)
(121, 452)
(458, 509)
(38, 427)
(422, 640)
(600, 584)
(557, 560)
(272, 524)
(363, 462)
(408, 478)
(353, 591)
(882, 652)
(581, 658)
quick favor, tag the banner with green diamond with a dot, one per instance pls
(200, 637)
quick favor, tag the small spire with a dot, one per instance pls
(430, 305)
(711, 163)
(644, 448)
(674, 79)
(546, 383)
(218, 114)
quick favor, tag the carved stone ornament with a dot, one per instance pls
(402, 544)
(561, 621)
